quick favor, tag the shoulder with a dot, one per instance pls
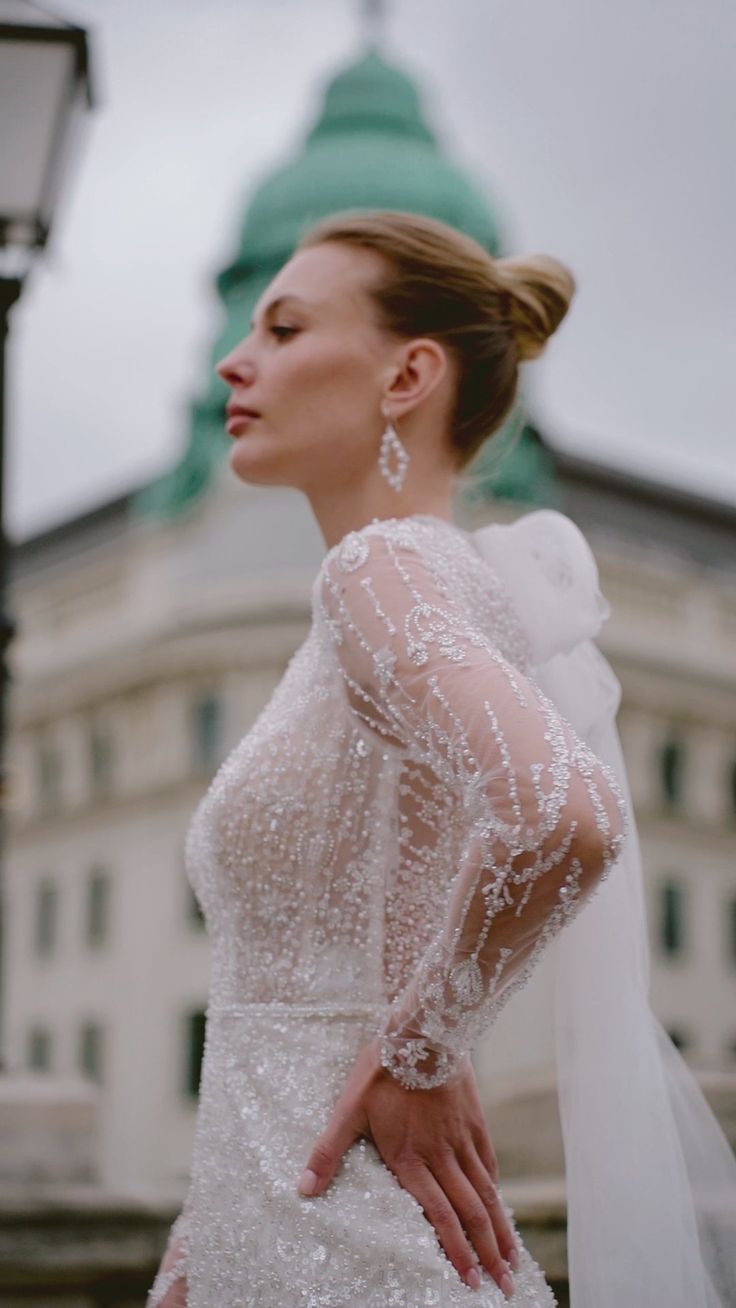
(394, 573)
(380, 537)
(387, 545)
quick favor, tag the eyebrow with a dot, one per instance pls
(276, 304)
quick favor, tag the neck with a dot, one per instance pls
(344, 509)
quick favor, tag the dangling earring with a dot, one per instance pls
(391, 445)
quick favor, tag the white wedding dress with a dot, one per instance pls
(388, 850)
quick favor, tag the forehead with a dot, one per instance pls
(332, 279)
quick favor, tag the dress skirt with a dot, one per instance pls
(271, 1075)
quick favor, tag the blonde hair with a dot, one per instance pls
(490, 314)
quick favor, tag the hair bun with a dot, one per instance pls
(539, 290)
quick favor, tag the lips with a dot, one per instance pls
(240, 411)
(239, 417)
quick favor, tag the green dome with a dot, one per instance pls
(371, 95)
(369, 148)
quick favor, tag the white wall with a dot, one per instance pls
(136, 657)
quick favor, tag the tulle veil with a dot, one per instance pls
(650, 1176)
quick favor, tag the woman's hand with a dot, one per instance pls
(169, 1290)
(436, 1143)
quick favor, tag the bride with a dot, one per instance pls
(432, 793)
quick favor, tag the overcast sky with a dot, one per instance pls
(603, 132)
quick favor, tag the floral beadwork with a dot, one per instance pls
(386, 853)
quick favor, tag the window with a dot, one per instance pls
(49, 777)
(194, 1051)
(100, 759)
(207, 730)
(46, 920)
(672, 918)
(98, 906)
(90, 1051)
(39, 1049)
(672, 772)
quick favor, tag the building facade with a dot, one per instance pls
(142, 661)
(153, 629)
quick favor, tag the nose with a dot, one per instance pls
(235, 368)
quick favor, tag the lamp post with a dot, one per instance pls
(44, 95)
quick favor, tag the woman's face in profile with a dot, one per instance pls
(312, 370)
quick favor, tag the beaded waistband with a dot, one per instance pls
(279, 1008)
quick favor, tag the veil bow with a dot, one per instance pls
(651, 1178)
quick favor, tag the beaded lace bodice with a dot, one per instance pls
(409, 820)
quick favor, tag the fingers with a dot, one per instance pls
(176, 1296)
(419, 1181)
(326, 1153)
(478, 1177)
(481, 1135)
(481, 1216)
(486, 1152)
(169, 1289)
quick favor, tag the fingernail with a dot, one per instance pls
(473, 1278)
(513, 1260)
(308, 1182)
(507, 1285)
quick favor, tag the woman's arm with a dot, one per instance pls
(546, 821)
(546, 818)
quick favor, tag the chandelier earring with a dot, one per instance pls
(392, 449)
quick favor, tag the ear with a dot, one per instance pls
(418, 369)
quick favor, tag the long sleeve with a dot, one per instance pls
(545, 817)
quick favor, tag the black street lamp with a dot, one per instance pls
(44, 95)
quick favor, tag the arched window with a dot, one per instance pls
(672, 771)
(46, 916)
(39, 1049)
(90, 1051)
(98, 906)
(100, 758)
(672, 925)
(194, 1032)
(206, 730)
(194, 915)
(49, 777)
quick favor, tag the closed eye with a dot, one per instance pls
(282, 332)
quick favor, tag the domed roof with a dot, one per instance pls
(371, 95)
(369, 148)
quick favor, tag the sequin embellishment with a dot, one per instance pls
(369, 860)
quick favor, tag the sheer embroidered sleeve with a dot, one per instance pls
(545, 817)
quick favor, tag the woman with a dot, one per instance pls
(385, 855)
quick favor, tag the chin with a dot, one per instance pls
(254, 471)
